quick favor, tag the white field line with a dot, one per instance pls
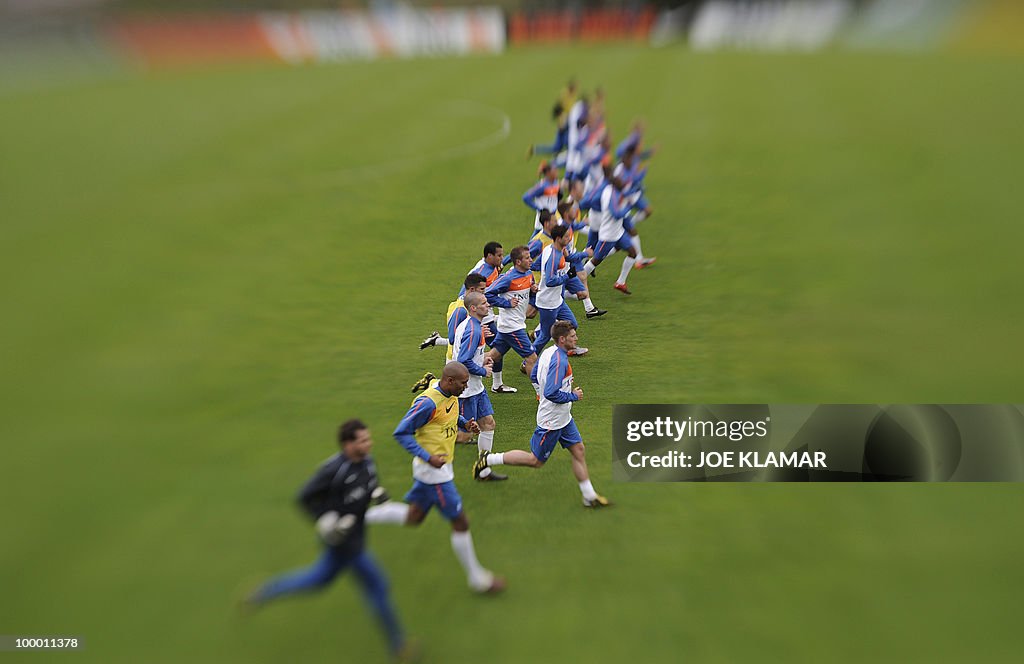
(372, 171)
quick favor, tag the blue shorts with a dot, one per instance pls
(547, 319)
(476, 407)
(575, 285)
(444, 495)
(592, 239)
(517, 341)
(561, 139)
(543, 442)
(493, 327)
(605, 248)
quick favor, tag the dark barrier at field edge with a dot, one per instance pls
(818, 443)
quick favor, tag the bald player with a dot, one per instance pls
(468, 348)
(427, 432)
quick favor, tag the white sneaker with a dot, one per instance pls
(579, 350)
(504, 389)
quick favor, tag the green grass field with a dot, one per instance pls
(204, 272)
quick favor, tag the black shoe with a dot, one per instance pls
(423, 383)
(479, 466)
(596, 313)
(431, 340)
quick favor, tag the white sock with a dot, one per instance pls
(627, 265)
(389, 512)
(485, 441)
(441, 341)
(588, 305)
(496, 375)
(589, 267)
(587, 489)
(478, 577)
(496, 459)
(639, 252)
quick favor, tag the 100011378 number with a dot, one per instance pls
(41, 643)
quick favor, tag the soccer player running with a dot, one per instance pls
(612, 235)
(545, 194)
(555, 425)
(560, 113)
(628, 172)
(427, 432)
(634, 141)
(473, 283)
(555, 271)
(542, 238)
(490, 265)
(569, 211)
(576, 139)
(474, 405)
(511, 294)
(337, 497)
(490, 268)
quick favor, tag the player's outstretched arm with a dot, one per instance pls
(530, 197)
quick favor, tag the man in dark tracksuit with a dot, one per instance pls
(337, 497)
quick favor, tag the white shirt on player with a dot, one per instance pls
(611, 228)
(553, 365)
(552, 263)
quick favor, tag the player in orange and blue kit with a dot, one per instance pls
(456, 314)
(575, 286)
(556, 270)
(552, 378)
(540, 240)
(569, 211)
(634, 142)
(511, 294)
(545, 194)
(488, 267)
(632, 178)
(469, 350)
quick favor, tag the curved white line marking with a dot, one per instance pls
(394, 166)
